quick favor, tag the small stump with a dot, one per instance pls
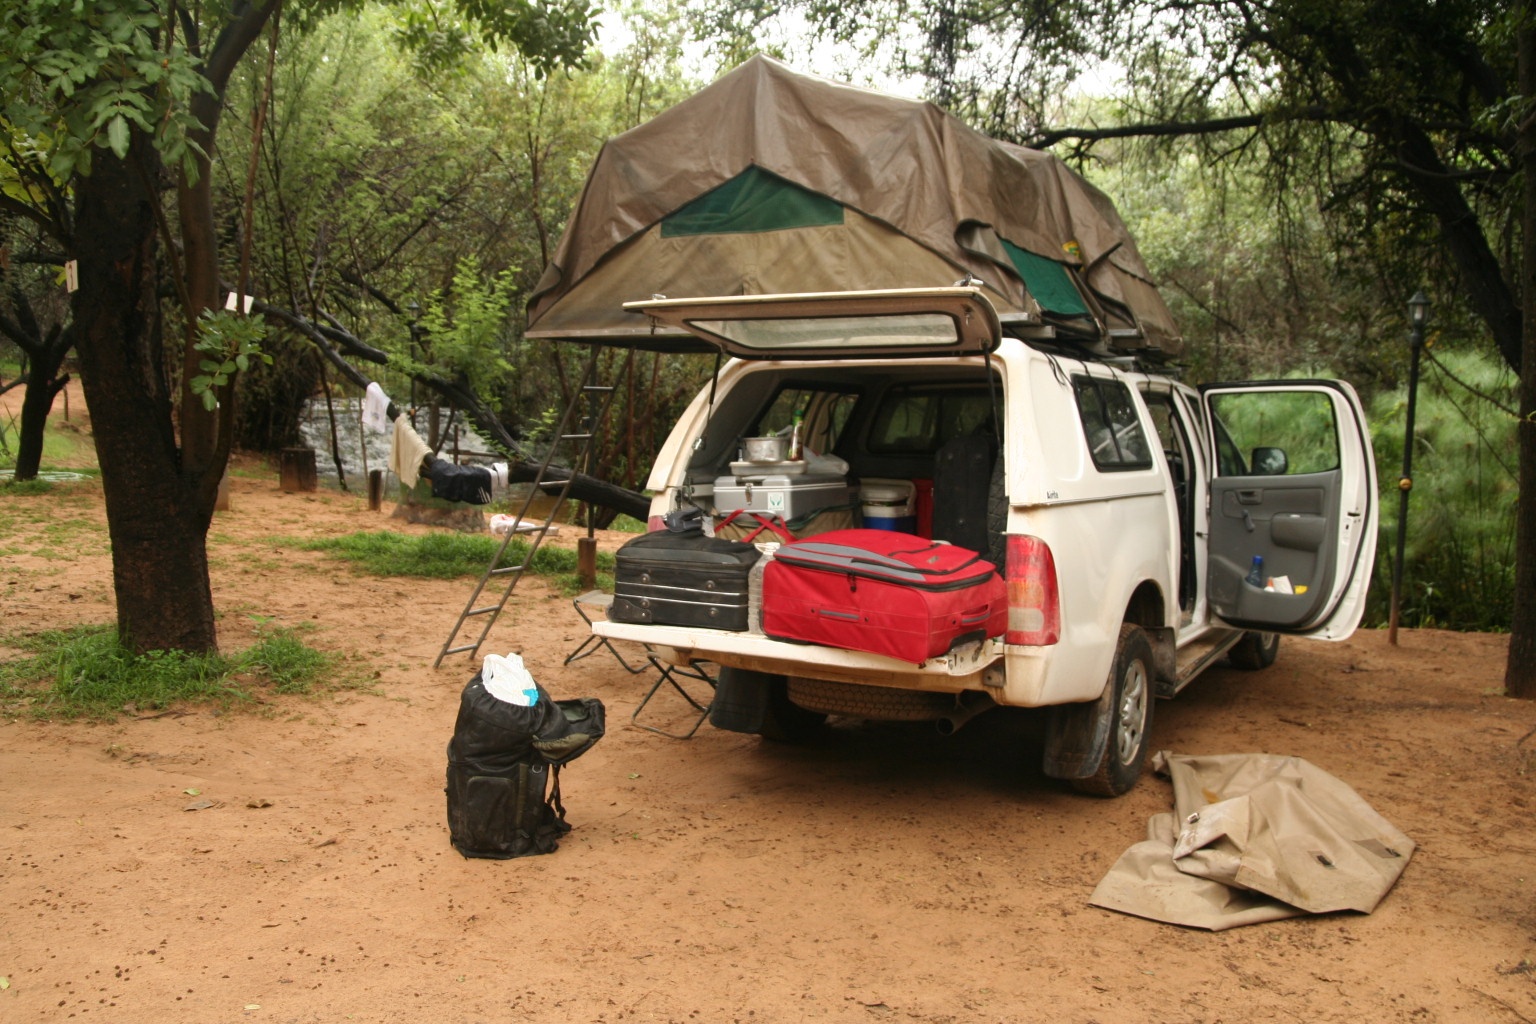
(418, 506)
(297, 470)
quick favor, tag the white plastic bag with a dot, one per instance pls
(506, 679)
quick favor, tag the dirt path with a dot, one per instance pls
(886, 874)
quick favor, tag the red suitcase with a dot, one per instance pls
(882, 592)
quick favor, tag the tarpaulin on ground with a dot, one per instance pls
(1255, 837)
(770, 181)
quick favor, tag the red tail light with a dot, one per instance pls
(1034, 602)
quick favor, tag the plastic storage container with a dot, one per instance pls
(786, 497)
(888, 505)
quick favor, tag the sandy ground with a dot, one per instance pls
(886, 874)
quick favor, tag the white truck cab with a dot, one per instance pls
(1145, 529)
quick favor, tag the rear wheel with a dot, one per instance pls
(1130, 717)
(1255, 651)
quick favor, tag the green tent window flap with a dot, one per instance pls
(1048, 281)
(752, 201)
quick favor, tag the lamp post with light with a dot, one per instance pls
(1418, 316)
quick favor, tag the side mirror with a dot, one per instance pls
(1269, 462)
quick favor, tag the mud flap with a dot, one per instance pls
(1077, 736)
(741, 700)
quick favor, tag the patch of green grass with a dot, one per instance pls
(61, 445)
(445, 556)
(627, 524)
(285, 661)
(26, 488)
(84, 672)
(47, 529)
(25, 504)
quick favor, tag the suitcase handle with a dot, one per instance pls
(974, 615)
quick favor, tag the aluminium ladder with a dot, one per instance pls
(597, 397)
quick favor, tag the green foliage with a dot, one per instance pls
(86, 672)
(228, 342)
(79, 77)
(444, 556)
(466, 329)
(551, 34)
(447, 197)
(1256, 284)
(1459, 567)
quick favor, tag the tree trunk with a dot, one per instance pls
(1520, 671)
(42, 387)
(156, 516)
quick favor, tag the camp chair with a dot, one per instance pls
(670, 675)
(597, 602)
(591, 603)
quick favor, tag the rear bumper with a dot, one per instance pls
(965, 668)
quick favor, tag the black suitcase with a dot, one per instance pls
(682, 579)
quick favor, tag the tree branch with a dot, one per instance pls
(1165, 129)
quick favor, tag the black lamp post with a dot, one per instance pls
(1418, 316)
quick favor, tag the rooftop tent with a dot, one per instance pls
(770, 181)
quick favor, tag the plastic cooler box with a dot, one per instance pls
(888, 505)
(787, 497)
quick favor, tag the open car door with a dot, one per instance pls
(898, 322)
(1293, 507)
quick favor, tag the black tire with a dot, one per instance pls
(785, 721)
(1255, 651)
(1130, 722)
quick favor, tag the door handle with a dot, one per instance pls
(1254, 496)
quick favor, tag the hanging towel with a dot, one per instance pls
(500, 476)
(376, 409)
(406, 450)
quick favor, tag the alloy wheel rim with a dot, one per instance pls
(1133, 700)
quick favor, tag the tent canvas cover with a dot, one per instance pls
(769, 181)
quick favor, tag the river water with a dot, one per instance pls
(365, 450)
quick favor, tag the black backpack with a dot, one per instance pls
(504, 770)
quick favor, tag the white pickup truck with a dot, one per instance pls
(1145, 529)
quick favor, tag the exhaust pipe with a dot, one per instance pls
(965, 710)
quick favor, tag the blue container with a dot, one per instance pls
(887, 505)
(878, 518)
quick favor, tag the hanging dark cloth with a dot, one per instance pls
(451, 482)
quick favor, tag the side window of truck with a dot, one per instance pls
(920, 420)
(1115, 436)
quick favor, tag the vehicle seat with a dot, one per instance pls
(962, 477)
